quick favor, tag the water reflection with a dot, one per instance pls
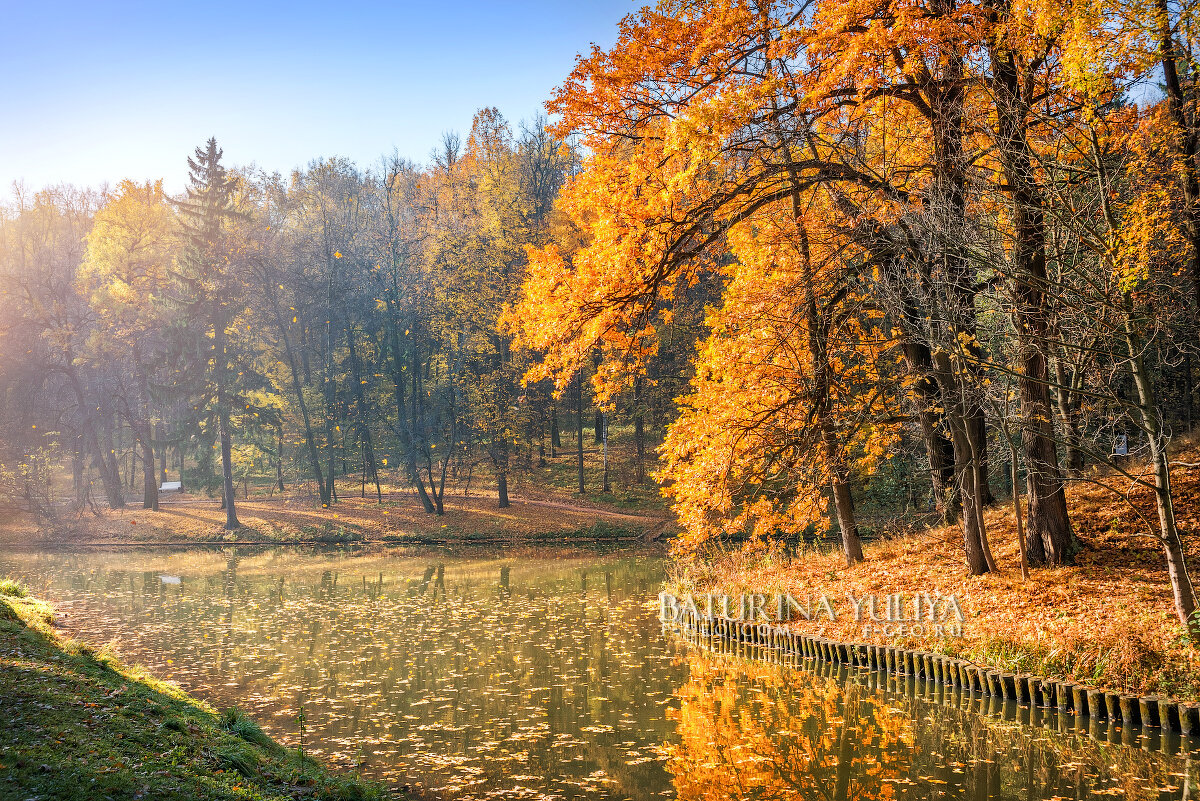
(800, 729)
(537, 677)
(547, 676)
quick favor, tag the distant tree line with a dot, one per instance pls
(257, 328)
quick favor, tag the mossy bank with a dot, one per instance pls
(77, 724)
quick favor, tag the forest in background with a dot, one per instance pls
(259, 330)
(808, 257)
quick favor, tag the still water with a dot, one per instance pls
(546, 675)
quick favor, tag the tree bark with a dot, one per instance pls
(1050, 540)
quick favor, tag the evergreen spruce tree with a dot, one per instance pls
(208, 301)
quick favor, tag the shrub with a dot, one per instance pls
(235, 722)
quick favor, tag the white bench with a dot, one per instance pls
(171, 486)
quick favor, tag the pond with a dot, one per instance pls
(545, 674)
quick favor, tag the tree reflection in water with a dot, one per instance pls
(754, 730)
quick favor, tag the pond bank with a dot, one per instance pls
(77, 724)
(397, 519)
(1106, 621)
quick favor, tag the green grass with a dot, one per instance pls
(14, 589)
(77, 724)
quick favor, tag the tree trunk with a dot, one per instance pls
(502, 490)
(938, 447)
(404, 430)
(110, 478)
(314, 456)
(231, 520)
(1016, 504)
(364, 430)
(555, 434)
(77, 458)
(162, 454)
(149, 476)
(1050, 539)
(966, 473)
(817, 326)
(279, 462)
(639, 432)
(1064, 400)
(605, 486)
(947, 118)
(579, 424)
(1168, 534)
(1187, 141)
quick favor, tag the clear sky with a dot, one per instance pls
(99, 91)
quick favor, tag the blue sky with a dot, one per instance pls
(97, 91)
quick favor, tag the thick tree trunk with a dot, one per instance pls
(843, 506)
(113, 465)
(502, 490)
(957, 281)
(408, 425)
(1050, 540)
(966, 472)
(938, 447)
(817, 328)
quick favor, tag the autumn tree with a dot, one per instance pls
(123, 277)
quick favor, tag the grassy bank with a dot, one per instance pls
(1108, 620)
(76, 724)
